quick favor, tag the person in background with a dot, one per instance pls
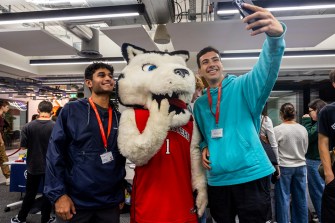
(34, 116)
(35, 138)
(326, 142)
(199, 87)
(267, 135)
(292, 139)
(315, 183)
(4, 107)
(228, 117)
(54, 117)
(85, 170)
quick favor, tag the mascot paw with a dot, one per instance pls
(201, 201)
(160, 114)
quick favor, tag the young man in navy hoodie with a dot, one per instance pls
(85, 171)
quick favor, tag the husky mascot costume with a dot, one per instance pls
(158, 134)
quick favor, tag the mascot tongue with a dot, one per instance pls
(177, 102)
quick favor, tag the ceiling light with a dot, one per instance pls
(76, 14)
(287, 54)
(70, 61)
(54, 1)
(226, 8)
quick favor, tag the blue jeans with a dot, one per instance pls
(292, 182)
(316, 184)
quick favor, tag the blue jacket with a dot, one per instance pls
(238, 156)
(74, 166)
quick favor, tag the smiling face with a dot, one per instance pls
(102, 82)
(211, 68)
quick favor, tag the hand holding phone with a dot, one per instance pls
(244, 12)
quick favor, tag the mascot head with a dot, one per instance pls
(152, 75)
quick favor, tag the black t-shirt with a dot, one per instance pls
(326, 123)
(35, 137)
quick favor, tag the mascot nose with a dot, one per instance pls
(181, 72)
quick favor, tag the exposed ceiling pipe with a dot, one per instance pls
(58, 3)
(192, 10)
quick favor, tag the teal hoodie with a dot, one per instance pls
(238, 156)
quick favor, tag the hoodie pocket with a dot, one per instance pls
(234, 155)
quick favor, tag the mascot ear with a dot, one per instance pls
(129, 51)
(182, 53)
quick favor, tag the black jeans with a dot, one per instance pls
(250, 201)
(32, 185)
(328, 203)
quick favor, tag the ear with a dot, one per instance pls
(182, 53)
(129, 51)
(88, 83)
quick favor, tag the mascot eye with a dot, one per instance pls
(149, 67)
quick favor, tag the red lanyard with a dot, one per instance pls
(210, 102)
(110, 120)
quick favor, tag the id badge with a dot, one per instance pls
(106, 157)
(216, 133)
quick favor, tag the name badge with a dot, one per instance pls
(107, 157)
(216, 133)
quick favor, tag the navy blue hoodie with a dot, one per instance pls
(74, 165)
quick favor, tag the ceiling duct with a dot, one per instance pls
(83, 32)
(90, 48)
(161, 35)
(160, 11)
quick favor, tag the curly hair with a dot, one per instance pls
(89, 71)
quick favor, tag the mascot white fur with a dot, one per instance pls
(159, 135)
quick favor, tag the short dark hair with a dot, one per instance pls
(3, 103)
(317, 105)
(45, 106)
(204, 51)
(89, 71)
(287, 111)
(332, 76)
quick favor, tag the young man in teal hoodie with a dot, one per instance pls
(228, 116)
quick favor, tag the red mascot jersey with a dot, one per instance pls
(162, 189)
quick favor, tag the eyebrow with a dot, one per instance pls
(215, 57)
(109, 73)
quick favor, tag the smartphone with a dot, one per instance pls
(245, 12)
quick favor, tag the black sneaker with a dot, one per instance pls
(16, 220)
